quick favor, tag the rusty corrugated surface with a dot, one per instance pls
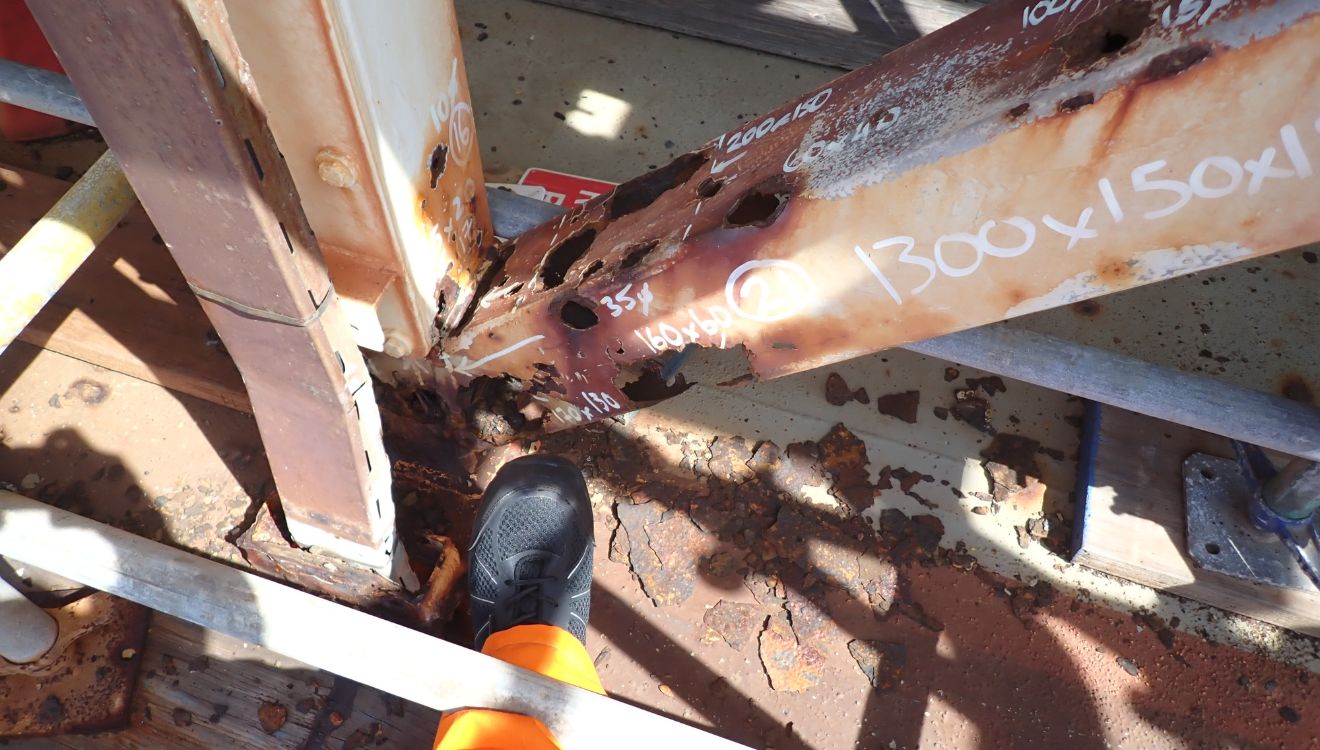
(1028, 156)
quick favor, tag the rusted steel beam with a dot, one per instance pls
(163, 79)
(388, 168)
(1030, 155)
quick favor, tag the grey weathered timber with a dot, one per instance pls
(347, 642)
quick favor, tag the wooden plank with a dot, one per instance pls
(845, 34)
(1132, 523)
(201, 689)
(344, 641)
(128, 308)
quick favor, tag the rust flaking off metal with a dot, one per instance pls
(85, 682)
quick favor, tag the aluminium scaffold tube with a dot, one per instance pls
(41, 262)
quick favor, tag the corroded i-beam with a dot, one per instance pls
(1025, 157)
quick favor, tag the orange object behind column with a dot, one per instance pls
(21, 40)
(545, 649)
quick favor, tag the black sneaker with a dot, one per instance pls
(530, 561)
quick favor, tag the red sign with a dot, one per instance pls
(563, 189)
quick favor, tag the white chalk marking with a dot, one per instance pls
(465, 367)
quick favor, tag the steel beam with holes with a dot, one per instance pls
(1030, 155)
(163, 81)
(388, 168)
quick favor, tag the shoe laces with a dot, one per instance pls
(527, 592)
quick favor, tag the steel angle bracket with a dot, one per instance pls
(1231, 531)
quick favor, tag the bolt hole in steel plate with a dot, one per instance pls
(1220, 536)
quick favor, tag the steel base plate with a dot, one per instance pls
(85, 682)
(1220, 536)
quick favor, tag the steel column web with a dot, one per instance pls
(162, 80)
(388, 169)
(1030, 155)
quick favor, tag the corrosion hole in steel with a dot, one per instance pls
(592, 269)
(638, 253)
(1113, 41)
(640, 192)
(1107, 34)
(709, 187)
(1172, 63)
(562, 258)
(1019, 110)
(757, 208)
(546, 379)
(514, 289)
(494, 270)
(1074, 103)
(577, 315)
(648, 387)
(439, 158)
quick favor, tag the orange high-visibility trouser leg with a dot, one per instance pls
(553, 652)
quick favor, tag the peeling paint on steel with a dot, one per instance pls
(1152, 266)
